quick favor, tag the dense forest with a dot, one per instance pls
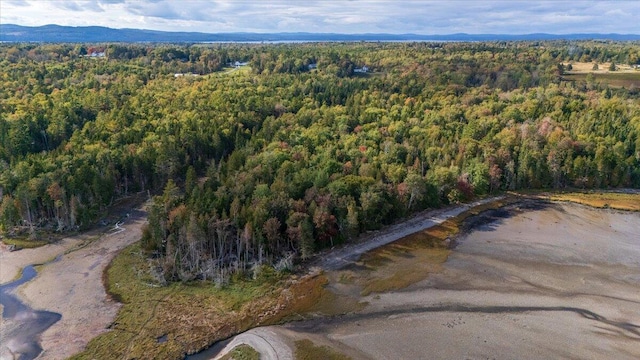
(305, 146)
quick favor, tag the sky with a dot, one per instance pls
(335, 16)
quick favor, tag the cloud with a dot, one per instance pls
(79, 6)
(17, 3)
(86, 5)
(158, 9)
(346, 16)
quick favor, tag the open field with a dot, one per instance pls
(616, 80)
(624, 76)
(587, 68)
(232, 71)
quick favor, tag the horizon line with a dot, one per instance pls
(322, 33)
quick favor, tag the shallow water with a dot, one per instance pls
(21, 325)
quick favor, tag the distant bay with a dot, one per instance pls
(71, 34)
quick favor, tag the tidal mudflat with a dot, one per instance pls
(534, 280)
(53, 314)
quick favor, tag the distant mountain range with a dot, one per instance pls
(70, 34)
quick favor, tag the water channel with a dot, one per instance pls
(22, 324)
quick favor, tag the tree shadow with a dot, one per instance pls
(491, 219)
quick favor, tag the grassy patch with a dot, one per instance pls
(24, 243)
(602, 200)
(404, 271)
(189, 317)
(307, 350)
(587, 67)
(23, 240)
(242, 352)
(233, 71)
(332, 304)
(613, 79)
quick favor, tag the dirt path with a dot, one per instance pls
(71, 287)
(264, 340)
(340, 257)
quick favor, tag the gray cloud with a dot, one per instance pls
(197, 11)
(155, 9)
(83, 5)
(354, 16)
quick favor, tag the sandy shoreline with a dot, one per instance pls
(71, 287)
